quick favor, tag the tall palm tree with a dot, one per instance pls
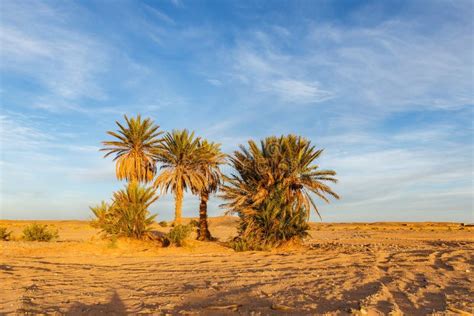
(180, 165)
(271, 191)
(134, 147)
(211, 158)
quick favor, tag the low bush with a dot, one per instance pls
(239, 245)
(4, 234)
(36, 232)
(163, 224)
(194, 223)
(243, 244)
(178, 234)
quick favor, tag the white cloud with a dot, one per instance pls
(274, 73)
(215, 82)
(298, 91)
(36, 44)
(402, 179)
(393, 66)
(355, 76)
(17, 134)
(47, 171)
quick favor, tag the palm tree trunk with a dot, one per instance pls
(178, 208)
(203, 231)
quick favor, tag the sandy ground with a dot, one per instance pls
(380, 268)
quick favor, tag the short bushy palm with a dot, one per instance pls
(128, 214)
(179, 157)
(5, 234)
(271, 191)
(134, 148)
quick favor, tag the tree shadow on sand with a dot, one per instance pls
(114, 307)
(238, 301)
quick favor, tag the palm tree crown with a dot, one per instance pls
(271, 189)
(286, 162)
(134, 147)
(211, 158)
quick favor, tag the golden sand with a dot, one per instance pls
(374, 269)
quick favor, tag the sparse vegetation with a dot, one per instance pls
(5, 235)
(271, 190)
(248, 244)
(163, 224)
(37, 232)
(128, 214)
(193, 223)
(104, 219)
(178, 234)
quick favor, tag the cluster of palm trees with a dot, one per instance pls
(186, 163)
(270, 190)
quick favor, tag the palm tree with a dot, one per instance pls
(130, 207)
(271, 191)
(180, 164)
(211, 158)
(134, 148)
(128, 213)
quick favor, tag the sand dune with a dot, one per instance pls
(381, 268)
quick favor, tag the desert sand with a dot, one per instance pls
(378, 268)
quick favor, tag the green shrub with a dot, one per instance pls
(36, 232)
(240, 244)
(178, 234)
(128, 214)
(193, 223)
(275, 223)
(4, 234)
(163, 224)
(104, 219)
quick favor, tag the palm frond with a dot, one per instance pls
(271, 188)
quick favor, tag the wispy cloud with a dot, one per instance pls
(215, 82)
(396, 65)
(160, 15)
(64, 61)
(47, 171)
(401, 180)
(297, 91)
(277, 74)
(388, 94)
(177, 3)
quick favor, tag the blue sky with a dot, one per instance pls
(386, 87)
